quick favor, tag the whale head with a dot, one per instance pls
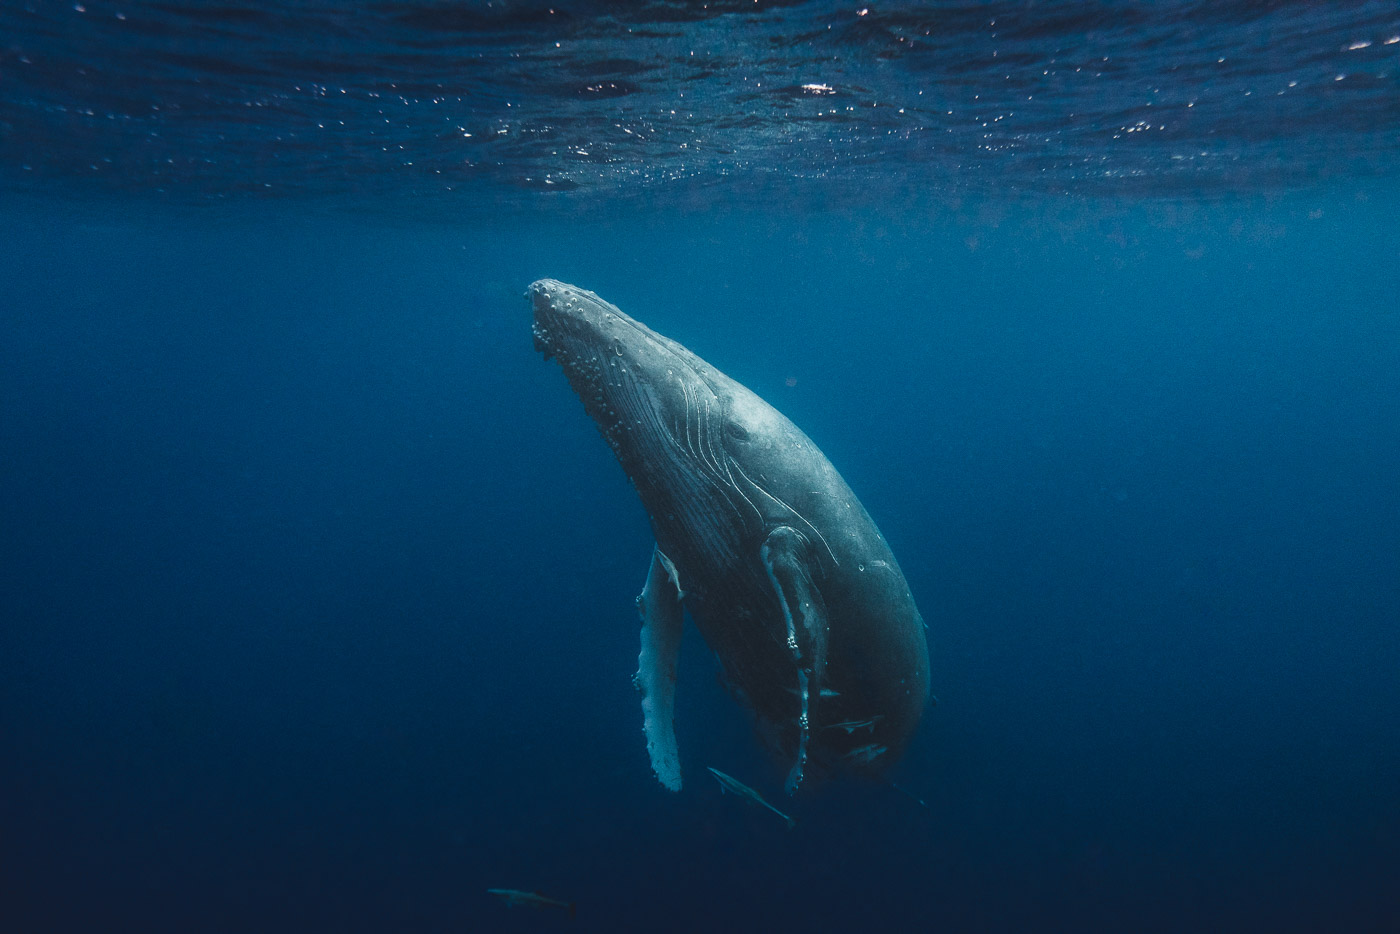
(688, 436)
(652, 399)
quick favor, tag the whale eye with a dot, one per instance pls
(736, 431)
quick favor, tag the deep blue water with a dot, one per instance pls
(316, 582)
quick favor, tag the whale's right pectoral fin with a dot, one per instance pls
(786, 557)
(660, 607)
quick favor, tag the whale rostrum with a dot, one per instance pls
(785, 575)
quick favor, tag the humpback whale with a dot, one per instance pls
(783, 572)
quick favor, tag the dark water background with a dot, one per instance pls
(316, 583)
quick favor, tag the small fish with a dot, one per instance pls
(867, 753)
(909, 794)
(729, 783)
(825, 692)
(850, 726)
(517, 898)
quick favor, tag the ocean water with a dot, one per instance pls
(316, 583)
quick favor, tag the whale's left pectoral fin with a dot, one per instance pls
(786, 555)
(660, 607)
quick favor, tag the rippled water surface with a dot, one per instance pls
(465, 102)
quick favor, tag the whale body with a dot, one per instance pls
(758, 537)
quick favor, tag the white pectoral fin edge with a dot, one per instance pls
(660, 607)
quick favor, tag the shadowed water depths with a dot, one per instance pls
(318, 583)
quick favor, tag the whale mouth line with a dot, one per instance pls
(567, 338)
